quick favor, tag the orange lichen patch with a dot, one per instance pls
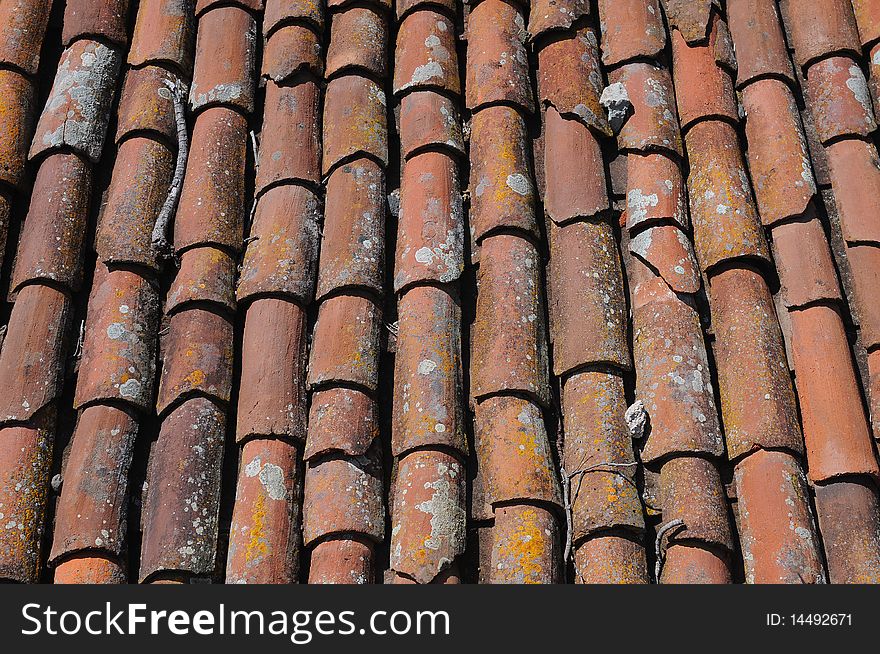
(525, 546)
(17, 108)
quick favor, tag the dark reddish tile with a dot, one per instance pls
(226, 43)
(197, 358)
(586, 296)
(864, 261)
(32, 360)
(427, 514)
(526, 546)
(726, 223)
(610, 559)
(655, 190)
(653, 124)
(22, 29)
(146, 104)
(777, 533)
(281, 12)
(53, 235)
(354, 121)
(353, 237)
(341, 420)
(570, 79)
(271, 396)
(404, 7)
(290, 52)
(804, 264)
(138, 188)
(425, 55)
(264, 537)
(429, 120)
(205, 275)
(118, 360)
(89, 569)
(574, 171)
(202, 6)
(164, 33)
(17, 109)
(854, 168)
(850, 524)
(290, 149)
(630, 29)
(779, 161)
(555, 15)
(95, 18)
(760, 43)
(502, 193)
(430, 240)
(358, 37)
(837, 94)
(345, 346)
(211, 208)
(691, 18)
(819, 27)
(835, 429)
(343, 561)
(79, 105)
(497, 62)
(509, 343)
(182, 493)
(692, 564)
(92, 511)
(867, 14)
(668, 252)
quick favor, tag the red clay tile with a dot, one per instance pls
(867, 14)
(778, 538)
(425, 55)
(803, 261)
(690, 564)
(141, 177)
(79, 105)
(854, 168)
(91, 513)
(757, 399)
(779, 161)
(225, 59)
(281, 12)
(345, 346)
(54, 232)
(197, 358)
(211, 208)
(604, 499)
(864, 260)
(610, 559)
(343, 561)
(95, 18)
(430, 242)
(264, 538)
(427, 514)
(353, 237)
(272, 398)
(182, 494)
(291, 144)
(25, 460)
(342, 420)
(22, 29)
(205, 275)
(509, 344)
(428, 396)
(837, 94)
(502, 193)
(146, 104)
(119, 344)
(344, 496)
(705, 89)
(653, 124)
(586, 297)
(667, 251)
(574, 172)
(630, 29)
(89, 569)
(354, 121)
(820, 27)
(164, 34)
(202, 6)
(497, 62)
(726, 223)
(429, 121)
(672, 371)
(655, 190)
(514, 453)
(835, 430)
(757, 32)
(32, 359)
(17, 100)
(850, 524)
(555, 15)
(691, 18)
(291, 51)
(526, 546)
(570, 79)
(358, 36)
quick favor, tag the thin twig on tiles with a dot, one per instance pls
(160, 228)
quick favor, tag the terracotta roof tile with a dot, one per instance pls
(837, 93)
(341, 420)
(22, 30)
(425, 56)
(850, 524)
(282, 12)
(86, 569)
(264, 540)
(691, 18)
(631, 29)
(761, 50)
(692, 564)
(555, 15)
(655, 191)
(343, 561)
(291, 51)
(854, 167)
(803, 261)
(145, 104)
(611, 559)
(206, 275)
(252, 5)
(16, 124)
(525, 548)
(867, 15)
(163, 34)
(667, 251)
(429, 121)
(354, 121)
(95, 18)
(357, 41)
(818, 28)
